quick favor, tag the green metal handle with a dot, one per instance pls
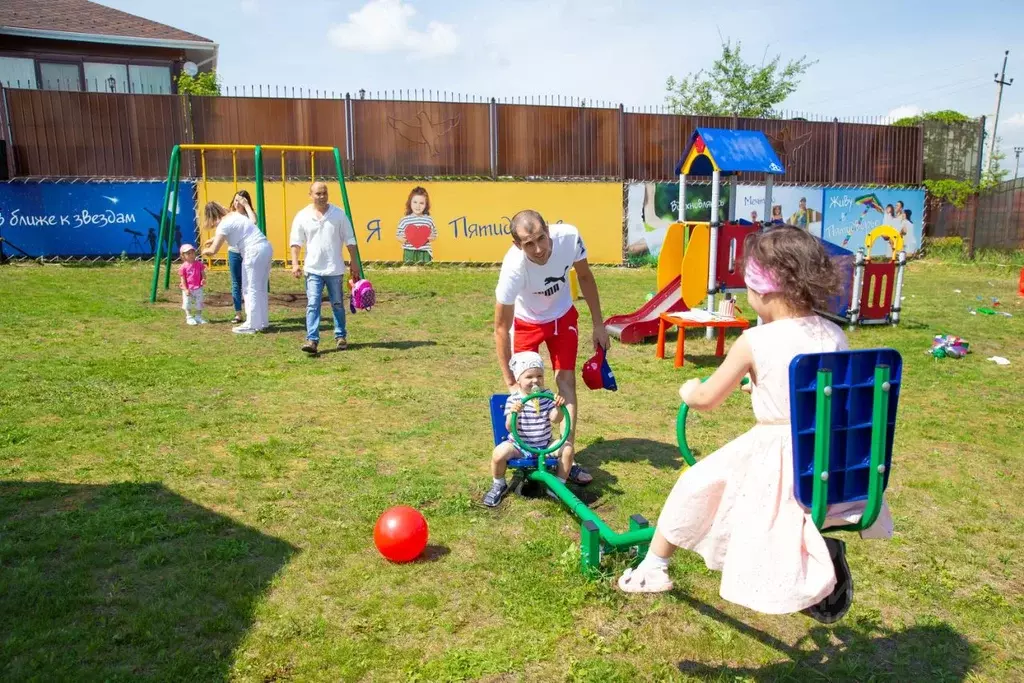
(684, 410)
(540, 452)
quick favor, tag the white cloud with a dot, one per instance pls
(382, 26)
(904, 111)
(250, 7)
(1015, 121)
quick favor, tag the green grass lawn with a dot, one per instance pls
(179, 503)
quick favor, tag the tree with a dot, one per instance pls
(995, 173)
(205, 83)
(734, 88)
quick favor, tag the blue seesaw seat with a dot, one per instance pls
(501, 434)
(843, 414)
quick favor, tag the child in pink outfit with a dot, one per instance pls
(193, 279)
(736, 507)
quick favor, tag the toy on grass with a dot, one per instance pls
(400, 533)
(949, 346)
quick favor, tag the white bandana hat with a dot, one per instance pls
(523, 361)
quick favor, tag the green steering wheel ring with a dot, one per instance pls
(684, 410)
(540, 451)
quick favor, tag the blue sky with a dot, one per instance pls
(874, 58)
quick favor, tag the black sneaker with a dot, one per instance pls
(497, 492)
(837, 603)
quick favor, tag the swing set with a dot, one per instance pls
(168, 213)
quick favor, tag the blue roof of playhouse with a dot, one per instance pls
(733, 151)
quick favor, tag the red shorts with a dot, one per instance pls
(562, 338)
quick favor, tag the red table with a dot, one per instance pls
(667, 320)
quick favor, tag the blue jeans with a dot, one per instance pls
(314, 297)
(235, 266)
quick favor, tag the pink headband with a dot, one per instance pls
(759, 279)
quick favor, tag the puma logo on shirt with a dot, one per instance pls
(557, 283)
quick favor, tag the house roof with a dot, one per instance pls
(81, 17)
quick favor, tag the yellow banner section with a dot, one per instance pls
(465, 221)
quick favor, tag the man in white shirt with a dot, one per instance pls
(534, 305)
(322, 228)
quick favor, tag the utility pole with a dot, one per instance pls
(1016, 152)
(1000, 81)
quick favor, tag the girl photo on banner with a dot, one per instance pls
(417, 230)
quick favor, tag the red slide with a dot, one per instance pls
(633, 328)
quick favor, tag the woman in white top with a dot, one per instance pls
(241, 203)
(257, 255)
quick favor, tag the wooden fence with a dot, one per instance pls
(71, 134)
(992, 220)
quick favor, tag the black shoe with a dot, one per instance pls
(837, 603)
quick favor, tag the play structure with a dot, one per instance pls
(843, 417)
(361, 299)
(699, 261)
(596, 537)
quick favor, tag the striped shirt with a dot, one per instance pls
(421, 242)
(534, 428)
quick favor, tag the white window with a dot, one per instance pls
(17, 72)
(60, 76)
(151, 80)
(102, 77)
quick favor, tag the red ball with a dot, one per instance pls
(400, 533)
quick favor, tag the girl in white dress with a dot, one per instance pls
(736, 507)
(240, 232)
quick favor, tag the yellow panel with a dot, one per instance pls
(471, 218)
(695, 266)
(670, 260)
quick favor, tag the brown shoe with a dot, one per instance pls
(342, 343)
(309, 347)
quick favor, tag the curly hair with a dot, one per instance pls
(799, 263)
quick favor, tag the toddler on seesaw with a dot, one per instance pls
(533, 423)
(736, 507)
(193, 279)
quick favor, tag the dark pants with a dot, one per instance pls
(235, 266)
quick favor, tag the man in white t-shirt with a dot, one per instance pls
(322, 228)
(534, 305)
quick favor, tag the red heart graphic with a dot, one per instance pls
(417, 235)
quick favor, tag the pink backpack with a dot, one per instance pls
(363, 296)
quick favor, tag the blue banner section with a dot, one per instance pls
(100, 219)
(852, 213)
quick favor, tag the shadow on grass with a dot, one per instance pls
(847, 652)
(124, 582)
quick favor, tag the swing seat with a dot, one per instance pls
(501, 434)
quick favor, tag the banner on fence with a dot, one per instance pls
(94, 219)
(652, 207)
(853, 212)
(464, 221)
(795, 205)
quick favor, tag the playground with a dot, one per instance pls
(178, 502)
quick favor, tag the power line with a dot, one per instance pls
(874, 88)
